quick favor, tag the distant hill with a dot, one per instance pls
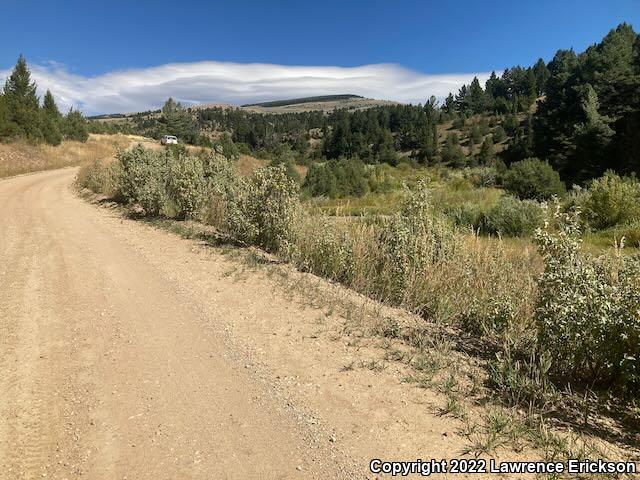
(324, 103)
(294, 101)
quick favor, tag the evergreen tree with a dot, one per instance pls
(471, 145)
(461, 100)
(22, 102)
(451, 152)
(49, 106)
(8, 129)
(386, 150)
(75, 126)
(487, 151)
(19, 87)
(450, 104)
(179, 122)
(475, 98)
(50, 121)
(530, 87)
(491, 86)
(587, 121)
(541, 73)
(591, 137)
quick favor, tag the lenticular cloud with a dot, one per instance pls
(225, 82)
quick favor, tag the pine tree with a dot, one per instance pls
(541, 73)
(19, 87)
(50, 107)
(450, 104)
(490, 86)
(487, 151)
(591, 137)
(461, 100)
(530, 87)
(179, 122)
(475, 98)
(23, 103)
(51, 120)
(75, 126)
(8, 129)
(451, 152)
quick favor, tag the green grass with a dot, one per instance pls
(449, 190)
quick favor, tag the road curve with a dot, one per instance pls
(109, 371)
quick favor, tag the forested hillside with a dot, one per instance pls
(580, 112)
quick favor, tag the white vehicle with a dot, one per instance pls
(169, 140)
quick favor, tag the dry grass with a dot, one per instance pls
(247, 164)
(19, 157)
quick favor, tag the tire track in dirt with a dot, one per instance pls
(109, 371)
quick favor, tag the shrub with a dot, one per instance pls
(512, 217)
(499, 135)
(534, 179)
(143, 177)
(286, 157)
(630, 233)
(91, 176)
(451, 152)
(326, 249)
(587, 312)
(612, 200)
(185, 186)
(263, 211)
(222, 183)
(226, 147)
(481, 176)
(337, 178)
(74, 126)
(467, 214)
(416, 259)
(411, 242)
(100, 178)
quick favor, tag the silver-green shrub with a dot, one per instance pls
(588, 309)
(264, 208)
(185, 185)
(413, 241)
(143, 178)
(222, 184)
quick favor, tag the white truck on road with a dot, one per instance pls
(169, 140)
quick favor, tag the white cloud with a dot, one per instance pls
(225, 82)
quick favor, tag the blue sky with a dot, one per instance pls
(84, 40)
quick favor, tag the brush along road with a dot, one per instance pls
(128, 352)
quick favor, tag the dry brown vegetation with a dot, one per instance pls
(20, 157)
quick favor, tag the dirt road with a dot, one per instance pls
(126, 352)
